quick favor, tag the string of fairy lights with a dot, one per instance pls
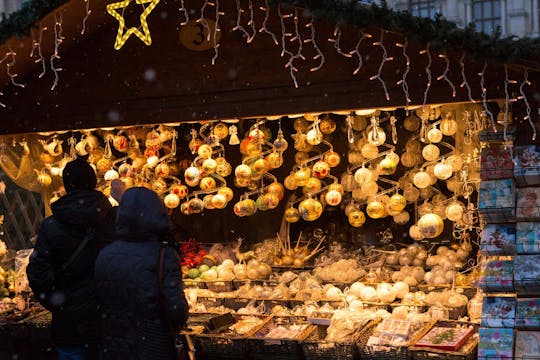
(293, 48)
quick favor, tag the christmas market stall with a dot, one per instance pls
(356, 182)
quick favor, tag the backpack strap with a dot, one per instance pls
(90, 232)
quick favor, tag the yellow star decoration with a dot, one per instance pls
(122, 38)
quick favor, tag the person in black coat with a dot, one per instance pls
(139, 321)
(61, 281)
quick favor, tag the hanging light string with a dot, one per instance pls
(464, 77)
(239, 26)
(320, 54)
(36, 46)
(284, 51)
(336, 40)
(215, 35)
(444, 75)
(403, 81)
(384, 59)
(9, 65)
(88, 12)
(1, 93)
(251, 23)
(527, 105)
(203, 21)
(356, 51)
(428, 72)
(297, 36)
(506, 100)
(184, 11)
(58, 39)
(484, 97)
(264, 28)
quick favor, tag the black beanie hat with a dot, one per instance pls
(79, 175)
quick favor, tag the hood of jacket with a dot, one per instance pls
(81, 208)
(141, 214)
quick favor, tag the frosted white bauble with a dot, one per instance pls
(421, 180)
(430, 152)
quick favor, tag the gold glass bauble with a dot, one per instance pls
(196, 205)
(292, 215)
(242, 171)
(387, 166)
(449, 126)
(271, 200)
(411, 193)
(179, 190)
(454, 211)
(312, 186)
(355, 157)
(314, 136)
(421, 180)
(356, 218)
(359, 123)
(290, 183)
(370, 188)
(207, 183)
(337, 187)
(219, 200)
(333, 197)
(227, 192)
(207, 201)
(376, 136)
(455, 162)
(274, 159)
(431, 225)
(223, 169)
(192, 176)
(301, 176)
(321, 169)
(301, 157)
(184, 208)
(415, 233)
(221, 130)
(332, 158)
(310, 209)
(397, 202)
(301, 143)
(408, 159)
(443, 171)
(300, 124)
(209, 166)
(205, 151)
(425, 208)
(259, 167)
(402, 218)
(434, 135)
(376, 210)
(369, 151)
(171, 201)
(327, 126)
(430, 152)
(411, 123)
(347, 181)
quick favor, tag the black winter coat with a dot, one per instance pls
(134, 324)
(71, 295)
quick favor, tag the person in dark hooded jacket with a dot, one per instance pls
(139, 322)
(61, 281)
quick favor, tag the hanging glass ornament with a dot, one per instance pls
(209, 166)
(434, 135)
(227, 192)
(192, 176)
(337, 187)
(411, 193)
(393, 121)
(312, 186)
(196, 205)
(259, 167)
(290, 182)
(207, 201)
(301, 125)
(415, 233)
(179, 190)
(219, 201)
(242, 182)
(223, 168)
(449, 126)
(431, 225)
(347, 181)
(280, 144)
(301, 176)
(359, 123)
(321, 169)
(301, 157)
(242, 171)
(411, 123)
(301, 143)
(162, 170)
(274, 159)
(184, 208)
(387, 166)
(397, 202)
(402, 218)
(362, 176)
(327, 125)
(350, 132)
(370, 188)
(333, 198)
(271, 200)
(358, 195)
(310, 209)
(370, 151)
(221, 130)
(425, 208)
(376, 210)
(205, 151)
(277, 189)
(442, 170)
(233, 132)
(355, 157)
(159, 186)
(375, 134)
(332, 158)
(430, 152)
(356, 218)
(454, 211)
(207, 183)
(408, 159)
(421, 180)
(292, 215)
(171, 201)
(426, 193)
(455, 162)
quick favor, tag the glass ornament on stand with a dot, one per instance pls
(448, 125)
(375, 134)
(280, 143)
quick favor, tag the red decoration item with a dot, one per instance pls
(192, 253)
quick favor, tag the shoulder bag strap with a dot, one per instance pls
(88, 235)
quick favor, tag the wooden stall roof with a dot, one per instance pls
(99, 86)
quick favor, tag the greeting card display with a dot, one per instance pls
(528, 313)
(497, 200)
(445, 338)
(528, 203)
(498, 239)
(527, 345)
(496, 162)
(528, 237)
(498, 311)
(497, 276)
(527, 165)
(527, 274)
(496, 343)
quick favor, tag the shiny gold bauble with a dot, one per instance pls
(337, 187)
(359, 123)
(301, 176)
(332, 158)
(184, 208)
(415, 233)
(310, 209)
(194, 144)
(312, 186)
(274, 159)
(314, 136)
(250, 146)
(387, 166)
(355, 157)
(277, 189)
(162, 170)
(221, 131)
(430, 152)
(321, 169)
(454, 211)
(455, 162)
(333, 197)
(205, 151)
(223, 169)
(376, 210)
(271, 200)
(369, 151)
(301, 157)
(449, 126)
(411, 123)
(370, 188)
(434, 135)
(327, 126)
(242, 171)
(292, 215)
(301, 125)
(409, 159)
(171, 201)
(209, 166)
(261, 204)
(219, 201)
(356, 218)
(347, 181)
(179, 190)
(431, 225)
(227, 193)
(302, 144)
(259, 167)
(397, 202)
(103, 165)
(411, 193)
(422, 180)
(443, 171)
(207, 201)
(207, 183)
(159, 185)
(376, 136)
(362, 176)
(196, 205)
(402, 218)
(192, 176)
(124, 170)
(44, 179)
(46, 158)
(290, 183)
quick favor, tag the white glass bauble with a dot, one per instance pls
(370, 188)
(454, 211)
(376, 136)
(430, 152)
(362, 176)
(443, 171)
(421, 180)
(431, 225)
(314, 137)
(434, 135)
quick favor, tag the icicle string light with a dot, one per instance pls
(297, 36)
(384, 59)
(444, 75)
(251, 23)
(264, 28)
(1, 93)
(484, 97)
(320, 54)
(292, 57)
(40, 52)
(9, 65)
(464, 77)
(184, 11)
(239, 26)
(216, 29)
(58, 39)
(336, 40)
(88, 12)
(203, 21)
(356, 51)
(403, 81)
(527, 105)
(506, 101)
(428, 73)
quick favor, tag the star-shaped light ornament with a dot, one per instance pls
(122, 36)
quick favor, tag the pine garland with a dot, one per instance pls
(439, 33)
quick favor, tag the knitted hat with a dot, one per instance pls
(79, 175)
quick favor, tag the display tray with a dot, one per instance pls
(316, 346)
(465, 351)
